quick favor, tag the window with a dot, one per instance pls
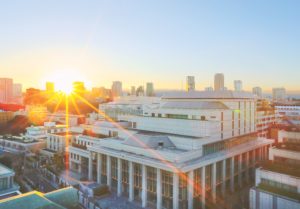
(203, 117)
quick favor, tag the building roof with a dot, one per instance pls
(59, 199)
(149, 141)
(194, 105)
(5, 170)
(209, 95)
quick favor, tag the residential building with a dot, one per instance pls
(7, 186)
(238, 85)
(6, 90)
(190, 83)
(277, 183)
(279, 94)
(116, 89)
(149, 90)
(65, 198)
(257, 91)
(266, 117)
(219, 82)
(19, 144)
(140, 91)
(6, 116)
(180, 151)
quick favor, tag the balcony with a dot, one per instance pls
(279, 191)
(282, 168)
(79, 146)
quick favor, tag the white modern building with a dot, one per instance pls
(277, 182)
(279, 94)
(190, 83)
(219, 82)
(149, 89)
(116, 89)
(257, 91)
(184, 150)
(238, 85)
(7, 186)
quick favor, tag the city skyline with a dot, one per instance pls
(107, 41)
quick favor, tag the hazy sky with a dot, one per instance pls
(162, 41)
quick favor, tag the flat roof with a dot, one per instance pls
(5, 170)
(209, 95)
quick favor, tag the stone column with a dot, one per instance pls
(203, 187)
(159, 190)
(144, 186)
(91, 167)
(175, 190)
(108, 171)
(190, 184)
(224, 177)
(131, 182)
(232, 174)
(247, 167)
(240, 168)
(99, 167)
(214, 183)
(119, 192)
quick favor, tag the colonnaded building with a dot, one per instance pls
(183, 150)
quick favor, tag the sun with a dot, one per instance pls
(65, 87)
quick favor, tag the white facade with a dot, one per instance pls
(149, 90)
(116, 89)
(238, 85)
(207, 137)
(279, 94)
(277, 183)
(257, 91)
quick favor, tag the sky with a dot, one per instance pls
(159, 41)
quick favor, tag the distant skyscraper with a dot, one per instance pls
(149, 90)
(190, 83)
(132, 92)
(209, 88)
(219, 82)
(78, 87)
(116, 89)
(279, 94)
(49, 86)
(238, 85)
(257, 91)
(140, 91)
(17, 90)
(6, 89)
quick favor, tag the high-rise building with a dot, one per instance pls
(116, 89)
(149, 89)
(238, 85)
(78, 87)
(17, 90)
(257, 91)
(49, 86)
(140, 91)
(6, 90)
(219, 82)
(279, 94)
(190, 83)
(132, 92)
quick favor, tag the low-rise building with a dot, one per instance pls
(19, 144)
(277, 182)
(7, 186)
(59, 199)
